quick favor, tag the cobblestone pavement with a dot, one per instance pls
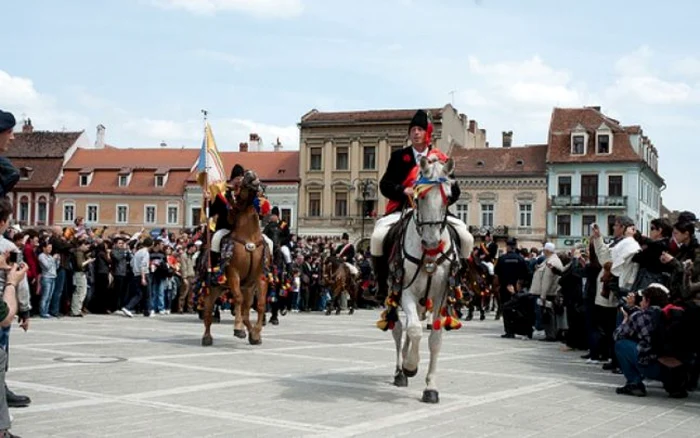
(314, 375)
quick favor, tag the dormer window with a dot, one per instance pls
(25, 172)
(85, 177)
(124, 177)
(161, 177)
(603, 140)
(579, 138)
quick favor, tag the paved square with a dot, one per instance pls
(314, 375)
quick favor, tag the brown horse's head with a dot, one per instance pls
(250, 186)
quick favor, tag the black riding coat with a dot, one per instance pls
(400, 165)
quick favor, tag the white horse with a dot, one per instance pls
(427, 261)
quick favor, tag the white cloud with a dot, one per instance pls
(19, 96)
(257, 8)
(638, 81)
(529, 82)
(227, 132)
(687, 66)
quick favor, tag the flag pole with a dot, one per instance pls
(205, 188)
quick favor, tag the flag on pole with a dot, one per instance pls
(210, 169)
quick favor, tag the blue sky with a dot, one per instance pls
(145, 68)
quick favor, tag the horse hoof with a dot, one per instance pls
(482, 317)
(410, 373)
(337, 312)
(239, 333)
(351, 311)
(207, 341)
(400, 380)
(274, 321)
(430, 396)
(252, 341)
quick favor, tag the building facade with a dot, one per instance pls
(125, 189)
(342, 156)
(597, 170)
(503, 191)
(278, 171)
(39, 156)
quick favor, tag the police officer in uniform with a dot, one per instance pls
(511, 270)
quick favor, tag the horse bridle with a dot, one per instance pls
(419, 223)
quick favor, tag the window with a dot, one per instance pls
(68, 212)
(160, 179)
(84, 180)
(122, 214)
(578, 145)
(25, 172)
(315, 159)
(173, 214)
(123, 180)
(42, 211)
(196, 215)
(341, 204)
(463, 212)
(603, 144)
(586, 228)
(615, 185)
(315, 204)
(24, 210)
(341, 159)
(368, 209)
(286, 215)
(487, 215)
(369, 158)
(150, 214)
(92, 213)
(611, 224)
(525, 213)
(564, 186)
(564, 225)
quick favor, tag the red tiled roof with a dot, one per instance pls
(271, 167)
(634, 129)
(498, 162)
(565, 120)
(399, 115)
(44, 173)
(117, 159)
(41, 144)
(106, 181)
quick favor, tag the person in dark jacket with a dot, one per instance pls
(9, 175)
(121, 258)
(101, 302)
(219, 210)
(651, 269)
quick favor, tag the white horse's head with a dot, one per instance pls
(432, 192)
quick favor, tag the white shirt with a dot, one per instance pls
(418, 155)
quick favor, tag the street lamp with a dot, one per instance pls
(367, 188)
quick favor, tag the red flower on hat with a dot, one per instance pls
(407, 158)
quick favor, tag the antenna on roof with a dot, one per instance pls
(205, 113)
(452, 95)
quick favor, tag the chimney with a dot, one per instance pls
(243, 147)
(255, 142)
(100, 138)
(163, 144)
(277, 146)
(27, 128)
(507, 139)
(473, 126)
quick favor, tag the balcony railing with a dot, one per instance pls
(497, 231)
(589, 201)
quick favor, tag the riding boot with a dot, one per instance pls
(380, 264)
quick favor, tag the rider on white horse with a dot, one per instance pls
(397, 186)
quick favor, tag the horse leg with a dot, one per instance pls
(430, 394)
(337, 300)
(400, 378)
(234, 282)
(352, 300)
(329, 305)
(255, 335)
(207, 340)
(413, 334)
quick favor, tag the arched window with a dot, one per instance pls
(24, 210)
(42, 211)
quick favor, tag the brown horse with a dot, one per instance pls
(338, 278)
(245, 270)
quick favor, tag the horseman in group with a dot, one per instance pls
(219, 209)
(424, 247)
(346, 252)
(397, 186)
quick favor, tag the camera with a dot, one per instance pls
(13, 257)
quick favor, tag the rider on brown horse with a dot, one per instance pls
(219, 210)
